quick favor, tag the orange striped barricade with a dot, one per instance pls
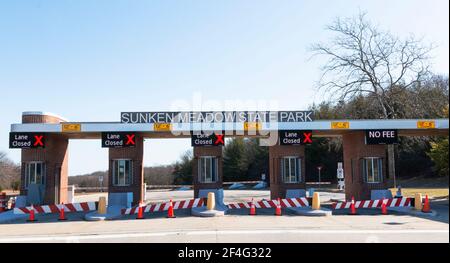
(184, 204)
(54, 209)
(393, 202)
(287, 202)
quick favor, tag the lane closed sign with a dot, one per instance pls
(24, 140)
(118, 139)
(292, 137)
(381, 137)
(208, 139)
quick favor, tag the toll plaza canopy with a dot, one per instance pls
(44, 138)
(405, 127)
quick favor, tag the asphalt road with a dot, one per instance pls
(237, 227)
(369, 226)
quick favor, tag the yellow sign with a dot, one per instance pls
(426, 124)
(340, 125)
(162, 126)
(71, 127)
(252, 126)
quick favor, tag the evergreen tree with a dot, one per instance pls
(234, 160)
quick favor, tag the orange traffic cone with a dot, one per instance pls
(140, 211)
(31, 218)
(352, 207)
(278, 208)
(170, 213)
(426, 205)
(383, 207)
(252, 209)
(62, 216)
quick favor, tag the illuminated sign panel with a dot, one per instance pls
(295, 137)
(162, 126)
(118, 139)
(24, 140)
(70, 127)
(426, 124)
(216, 117)
(252, 126)
(340, 125)
(381, 137)
(208, 139)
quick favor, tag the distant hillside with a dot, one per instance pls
(155, 175)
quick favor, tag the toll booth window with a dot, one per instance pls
(122, 172)
(291, 169)
(207, 169)
(372, 169)
(34, 173)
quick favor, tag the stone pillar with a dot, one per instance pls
(54, 156)
(355, 150)
(214, 151)
(276, 153)
(136, 154)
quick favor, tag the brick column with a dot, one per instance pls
(277, 186)
(215, 151)
(55, 157)
(355, 150)
(136, 154)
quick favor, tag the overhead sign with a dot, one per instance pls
(426, 124)
(70, 127)
(340, 125)
(162, 126)
(23, 140)
(216, 117)
(252, 126)
(118, 139)
(381, 137)
(208, 139)
(295, 137)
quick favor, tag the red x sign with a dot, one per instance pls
(130, 139)
(219, 140)
(307, 137)
(38, 140)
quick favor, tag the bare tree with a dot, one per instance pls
(361, 59)
(9, 171)
(2, 156)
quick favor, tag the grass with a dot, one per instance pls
(434, 187)
(431, 192)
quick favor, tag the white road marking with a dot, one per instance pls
(77, 238)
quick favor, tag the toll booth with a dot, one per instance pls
(207, 168)
(126, 171)
(44, 166)
(286, 169)
(364, 166)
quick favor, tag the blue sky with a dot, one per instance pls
(90, 60)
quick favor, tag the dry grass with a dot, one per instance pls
(431, 192)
